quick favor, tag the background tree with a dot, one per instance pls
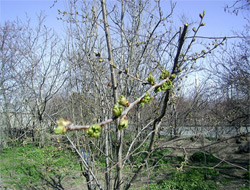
(231, 74)
(32, 70)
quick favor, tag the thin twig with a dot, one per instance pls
(85, 163)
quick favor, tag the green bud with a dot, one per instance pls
(151, 79)
(61, 126)
(123, 123)
(97, 54)
(164, 74)
(146, 99)
(94, 130)
(203, 24)
(60, 130)
(117, 110)
(126, 70)
(166, 85)
(98, 134)
(201, 15)
(204, 51)
(142, 104)
(123, 101)
(90, 132)
(157, 89)
(172, 77)
(194, 29)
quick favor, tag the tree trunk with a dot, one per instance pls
(114, 87)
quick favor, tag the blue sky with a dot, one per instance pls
(218, 22)
(12, 9)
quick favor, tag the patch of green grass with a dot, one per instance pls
(225, 181)
(194, 179)
(159, 158)
(22, 166)
(244, 188)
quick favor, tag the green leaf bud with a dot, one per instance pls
(90, 131)
(157, 89)
(172, 77)
(151, 79)
(60, 130)
(123, 101)
(146, 99)
(117, 110)
(194, 29)
(142, 104)
(164, 74)
(94, 130)
(166, 85)
(123, 123)
(126, 70)
(61, 126)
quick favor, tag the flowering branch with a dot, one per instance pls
(65, 125)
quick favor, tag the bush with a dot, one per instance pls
(202, 157)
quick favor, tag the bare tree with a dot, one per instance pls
(32, 69)
(231, 72)
(140, 59)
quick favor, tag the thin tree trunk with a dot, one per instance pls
(115, 95)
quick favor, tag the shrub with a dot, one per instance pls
(202, 157)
